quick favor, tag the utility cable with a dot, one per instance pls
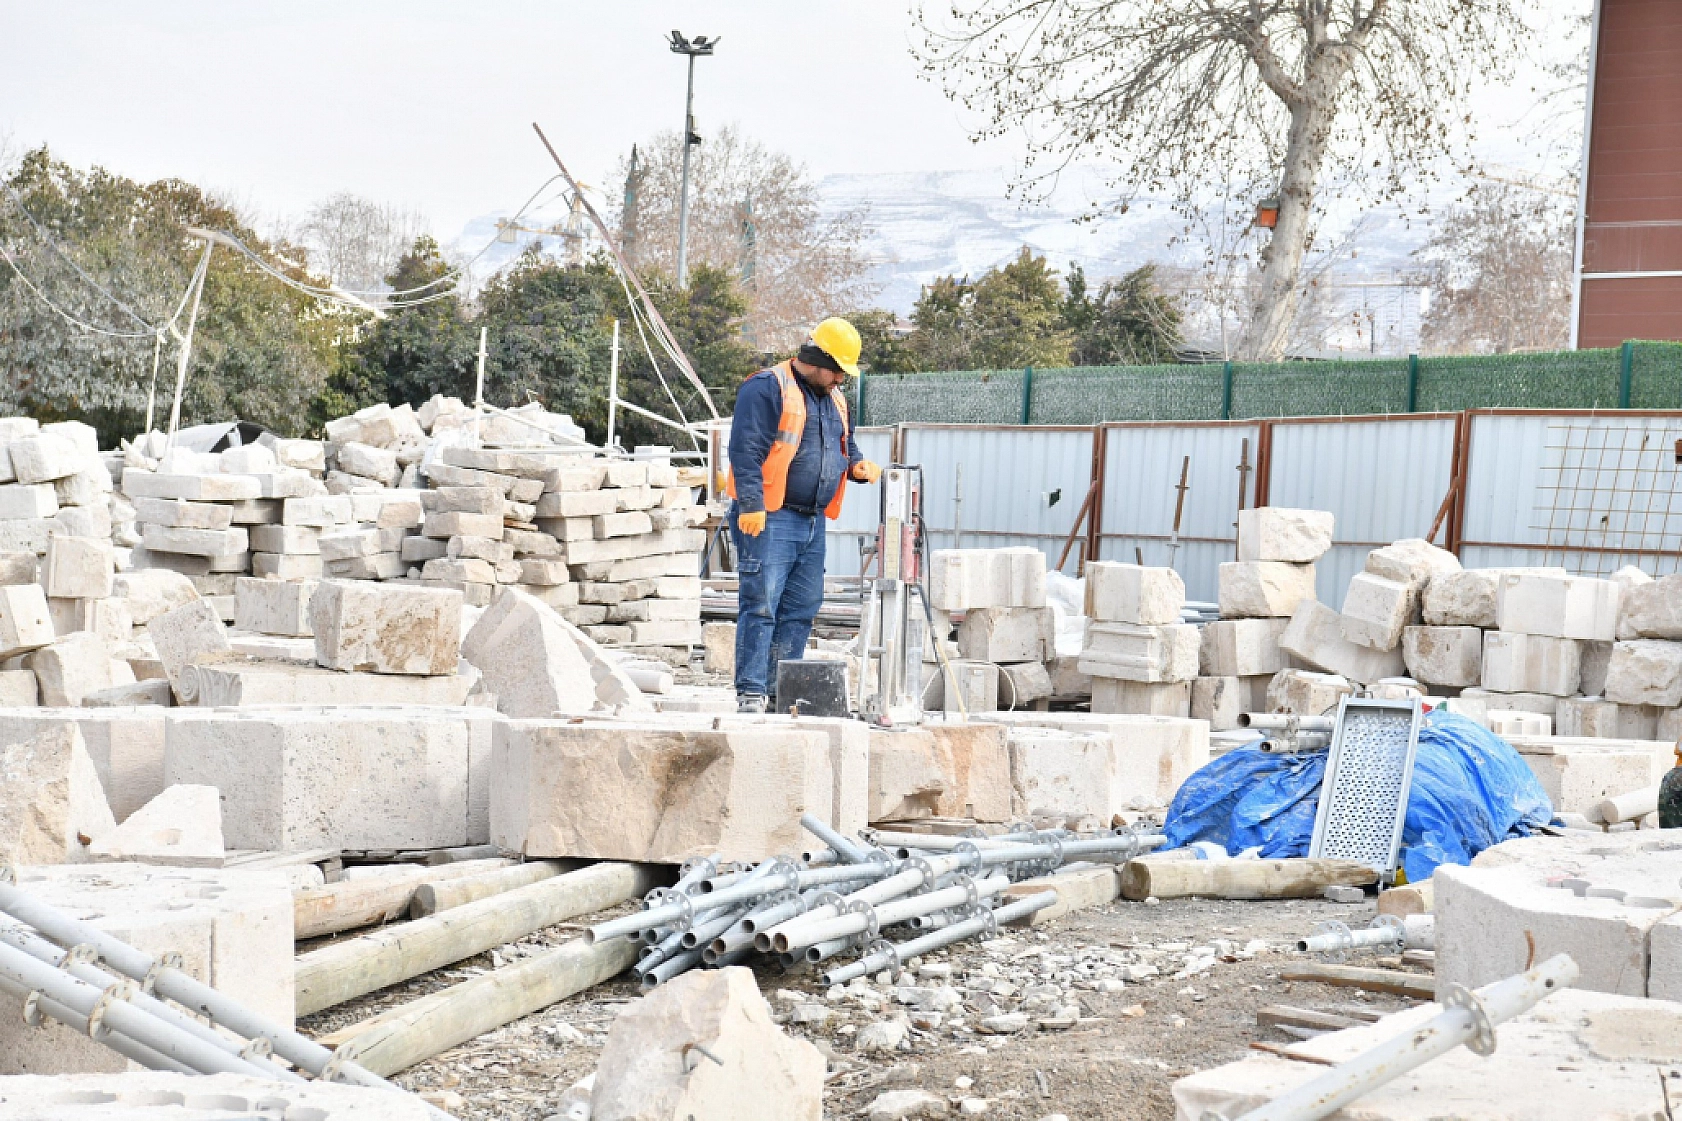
(67, 316)
(52, 243)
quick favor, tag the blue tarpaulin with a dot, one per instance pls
(1470, 790)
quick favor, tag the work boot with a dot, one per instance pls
(752, 704)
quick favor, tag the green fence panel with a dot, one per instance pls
(1565, 379)
(1656, 381)
(962, 397)
(1319, 388)
(1094, 394)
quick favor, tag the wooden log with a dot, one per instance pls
(1239, 879)
(1283, 1015)
(337, 973)
(366, 900)
(414, 1032)
(430, 898)
(1373, 980)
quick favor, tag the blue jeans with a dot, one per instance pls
(780, 591)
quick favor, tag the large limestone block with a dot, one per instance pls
(1149, 757)
(1219, 700)
(1008, 634)
(76, 665)
(1112, 695)
(1645, 671)
(1559, 606)
(1650, 608)
(237, 683)
(233, 930)
(962, 579)
(1597, 718)
(188, 634)
(644, 791)
(1375, 609)
(182, 827)
(379, 464)
(1144, 654)
(18, 689)
(940, 770)
(355, 778)
(24, 621)
(1462, 599)
(1274, 533)
(1411, 561)
(1578, 774)
(125, 744)
(385, 628)
(1530, 663)
(151, 592)
(1451, 656)
(1131, 593)
(1306, 693)
(43, 457)
(648, 1072)
(279, 607)
(1264, 589)
(50, 798)
(1242, 647)
(1315, 635)
(18, 501)
(1053, 771)
(537, 664)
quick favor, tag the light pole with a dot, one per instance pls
(700, 45)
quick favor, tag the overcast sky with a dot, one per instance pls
(429, 105)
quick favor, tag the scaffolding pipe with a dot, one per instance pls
(868, 918)
(1468, 1017)
(1284, 721)
(850, 851)
(892, 956)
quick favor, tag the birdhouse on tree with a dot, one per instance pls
(1267, 213)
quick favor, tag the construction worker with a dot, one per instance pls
(791, 452)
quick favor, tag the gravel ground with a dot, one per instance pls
(1119, 1001)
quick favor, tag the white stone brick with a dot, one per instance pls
(1142, 654)
(1306, 693)
(1007, 634)
(320, 512)
(1315, 635)
(1242, 647)
(1451, 656)
(1131, 593)
(1530, 663)
(273, 606)
(44, 457)
(1595, 718)
(385, 628)
(1219, 700)
(20, 501)
(1261, 589)
(1274, 533)
(297, 540)
(379, 464)
(24, 622)
(1645, 671)
(1375, 609)
(1651, 609)
(1411, 561)
(50, 797)
(151, 592)
(1114, 696)
(1558, 606)
(192, 488)
(78, 568)
(961, 579)
(196, 542)
(286, 566)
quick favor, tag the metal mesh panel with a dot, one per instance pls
(1092, 394)
(1581, 379)
(1319, 388)
(964, 397)
(1366, 785)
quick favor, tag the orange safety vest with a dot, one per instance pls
(790, 427)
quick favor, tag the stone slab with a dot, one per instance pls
(386, 628)
(940, 770)
(1263, 589)
(1275, 533)
(1531, 663)
(1131, 593)
(1315, 635)
(1444, 655)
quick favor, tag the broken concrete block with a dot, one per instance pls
(151, 592)
(180, 827)
(74, 666)
(187, 634)
(1306, 693)
(1024, 683)
(273, 606)
(962, 579)
(24, 621)
(1274, 533)
(1375, 609)
(1451, 656)
(1315, 635)
(1411, 561)
(1217, 700)
(940, 770)
(1008, 634)
(1131, 593)
(1145, 654)
(50, 799)
(385, 628)
(1529, 663)
(78, 568)
(1262, 589)
(658, 793)
(1595, 718)
(1558, 606)
(1645, 671)
(1111, 695)
(647, 1072)
(1242, 647)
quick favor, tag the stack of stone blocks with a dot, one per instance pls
(1007, 637)
(1140, 656)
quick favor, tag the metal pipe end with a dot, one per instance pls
(814, 954)
(788, 961)
(1302, 945)
(650, 982)
(762, 942)
(710, 954)
(689, 940)
(779, 943)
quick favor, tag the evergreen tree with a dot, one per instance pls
(1130, 322)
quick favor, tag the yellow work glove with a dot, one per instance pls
(865, 471)
(751, 524)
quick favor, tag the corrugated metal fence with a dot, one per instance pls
(1586, 490)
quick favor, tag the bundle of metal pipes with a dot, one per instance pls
(143, 1007)
(842, 897)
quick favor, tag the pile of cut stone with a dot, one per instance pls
(1007, 639)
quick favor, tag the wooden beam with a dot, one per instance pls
(432, 897)
(1296, 878)
(1373, 980)
(365, 900)
(1276, 1015)
(349, 969)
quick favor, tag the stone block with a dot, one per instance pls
(1023, 684)
(89, 486)
(50, 798)
(655, 793)
(380, 566)
(1008, 634)
(188, 634)
(1645, 671)
(1411, 561)
(719, 640)
(1375, 609)
(1475, 703)
(346, 544)
(1219, 700)
(1578, 774)
(180, 827)
(379, 464)
(187, 515)
(74, 666)
(1131, 593)
(196, 542)
(1532, 663)
(144, 692)
(18, 568)
(629, 524)
(1315, 635)
(1142, 654)
(153, 591)
(1242, 647)
(962, 579)
(1595, 718)
(969, 687)
(286, 566)
(1449, 655)
(78, 568)
(43, 457)
(273, 606)
(1150, 756)
(538, 664)
(233, 930)
(319, 511)
(125, 744)
(191, 488)
(25, 624)
(1306, 693)
(1264, 589)
(1650, 608)
(27, 536)
(1067, 681)
(346, 777)
(1274, 533)
(1558, 606)
(1111, 695)
(385, 628)
(18, 689)
(646, 1074)
(940, 770)
(19, 501)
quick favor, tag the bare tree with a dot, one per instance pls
(356, 241)
(756, 213)
(1276, 94)
(1499, 271)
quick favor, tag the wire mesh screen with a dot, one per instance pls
(1093, 394)
(1319, 388)
(1582, 379)
(1606, 496)
(964, 397)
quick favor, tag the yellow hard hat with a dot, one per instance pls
(840, 340)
